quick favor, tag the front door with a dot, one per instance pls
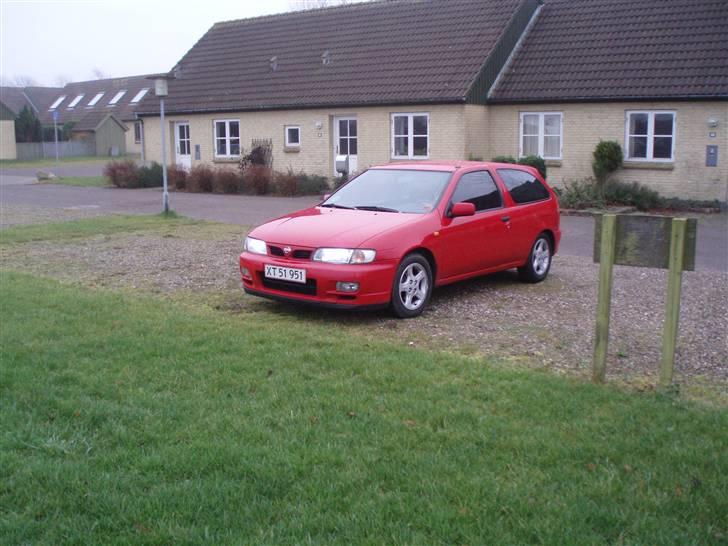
(183, 156)
(346, 140)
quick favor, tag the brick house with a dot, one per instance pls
(387, 81)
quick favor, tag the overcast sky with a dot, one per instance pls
(52, 40)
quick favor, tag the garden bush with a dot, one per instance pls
(150, 176)
(200, 179)
(608, 158)
(588, 193)
(312, 184)
(122, 174)
(177, 177)
(286, 183)
(531, 160)
(258, 179)
(227, 181)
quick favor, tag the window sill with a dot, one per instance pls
(225, 159)
(553, 162)
(291, 149)
(649, 165)
(416, 158)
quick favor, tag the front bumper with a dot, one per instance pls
(375, 282)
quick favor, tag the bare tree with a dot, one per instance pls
(300, 5)
(62, 80)
(19, 81)
(99, 74)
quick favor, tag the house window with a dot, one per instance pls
(138, 132)
(227, 137)
(117, 97)
(410, 136)
(75, 101)
(293, 136)
(97, 98)
(140, 95)
(650, 136)
(541, 134)
(479, 189)
(57, 103)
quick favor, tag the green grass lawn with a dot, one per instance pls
(83, 181)
(132, 420)
(51, 161)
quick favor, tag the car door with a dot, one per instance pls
(525, 210)
(478, 242)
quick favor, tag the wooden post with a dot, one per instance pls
(672, 307)
(606, 264)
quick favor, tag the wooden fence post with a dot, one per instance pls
(606, 265)
(672, 307)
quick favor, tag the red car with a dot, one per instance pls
(394, 232)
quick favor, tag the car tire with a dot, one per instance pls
(539, 261)
(412, 286)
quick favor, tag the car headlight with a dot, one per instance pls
(255, 246)
(344, 255)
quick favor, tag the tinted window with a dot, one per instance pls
(479, 189)
(523, 186)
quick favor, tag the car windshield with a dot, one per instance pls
(392, 190)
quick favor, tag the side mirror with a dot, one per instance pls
(326, 196)
(462, 209)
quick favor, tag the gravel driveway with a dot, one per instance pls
(548, 325)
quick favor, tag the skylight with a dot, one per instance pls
(139, 96)
(117, 97)
(58, 102)
(96, 99)
(75, 101)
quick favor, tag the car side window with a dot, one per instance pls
(523, 186)
(479, 189)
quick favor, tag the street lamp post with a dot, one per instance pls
(161, 90)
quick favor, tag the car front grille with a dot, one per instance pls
(284, 286)
(297, 254)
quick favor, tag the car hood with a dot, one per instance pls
(327, 227)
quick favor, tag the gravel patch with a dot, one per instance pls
(16, 215)
(549, 325)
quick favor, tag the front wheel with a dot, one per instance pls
(412, 286)
(539, 261)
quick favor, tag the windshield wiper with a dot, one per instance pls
(335, 206)
(375, 208)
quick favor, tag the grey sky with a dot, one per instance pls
(47, 39)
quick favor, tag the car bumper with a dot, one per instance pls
(375, 282)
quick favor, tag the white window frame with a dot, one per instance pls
(650, 136)
(290, 144)
(215, 138)
(541, 134)
(97, 98)
(138, 128)
(116, 98)
(57, 103)
(139, 96)
(410, 135)
(74, 102)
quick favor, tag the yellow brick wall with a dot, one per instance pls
(585, 124)
(131, 146)
(7, 139)
(447, 138)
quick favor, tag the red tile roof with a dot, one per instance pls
(621, 50)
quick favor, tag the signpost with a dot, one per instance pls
(643, 241)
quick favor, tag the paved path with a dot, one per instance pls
(577, 240)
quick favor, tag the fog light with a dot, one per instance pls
(246, 273)
(347, 286)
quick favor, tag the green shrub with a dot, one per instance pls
(608, 157)
(200, 179)
(504, 159)
(150, 176)
(258, 179)
(177, 177)
(122, 174)
(312, 184)
(286, 183)
(534, 161)
(588, 193)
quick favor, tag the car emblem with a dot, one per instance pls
(286, 250)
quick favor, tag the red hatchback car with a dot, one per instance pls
(394, 232)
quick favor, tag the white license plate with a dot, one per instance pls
(285, 273)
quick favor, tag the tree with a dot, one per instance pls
(27, 126)
(20, 81)
(62, 80)
(99, 74)
(300, 5)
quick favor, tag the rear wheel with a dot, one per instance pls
(539, 261)
(412, 286)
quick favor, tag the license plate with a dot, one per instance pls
(285, 273)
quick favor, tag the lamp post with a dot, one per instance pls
(161, 90)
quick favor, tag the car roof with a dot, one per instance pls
(450, 166)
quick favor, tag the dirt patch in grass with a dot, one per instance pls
(17, 215)
(548, 325)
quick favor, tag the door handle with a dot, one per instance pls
(505, 219)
